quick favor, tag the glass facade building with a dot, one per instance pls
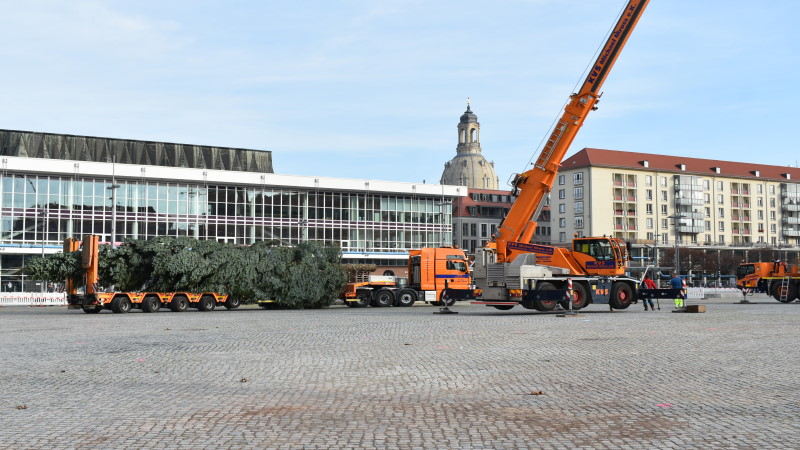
(44, 201)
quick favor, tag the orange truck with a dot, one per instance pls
(511, 270)
(777, 279)
(93, 300)
(439, 276)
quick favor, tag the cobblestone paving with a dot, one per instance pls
(402, 378)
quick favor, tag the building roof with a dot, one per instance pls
(56, 146)
(678, 164)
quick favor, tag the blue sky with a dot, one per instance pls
(374, 89)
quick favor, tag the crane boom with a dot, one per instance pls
(531, 186)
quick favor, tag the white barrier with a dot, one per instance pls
(33, 299)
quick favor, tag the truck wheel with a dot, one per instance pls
(406, 297)
(92, 309)
(777, 289)
(121, 305)
(207, 303)
(232, 302)
(179, 304)
(503, 307)
(151, 304)
(364, 299)
(621, 295)
(384, 297)
(544, 305)
(580, 298)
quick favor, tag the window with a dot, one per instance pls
(648, 180)
(708, 225)
(561, 180)
(708, 212)
(773, 228)
(562, 237)
(649, 208)
(664, 195)
(720, 199)
(706, 198)
(562, 222)
(759, 189)
(562, 208)
(721, 213)
(649, 195)
(760, 201)
(562, 194)
(465, 229)
(663, 181)
(760, 216)
(578, 192)
(772, 203)
(664, 210)
(706, 185)
(772, 189)
(760, 227)
(484, 230)
(772, 215)
(473, 229)
(664, 224)
(577, 178)
(721, 226)
(578, 207)
(579, 222)
(649, 223)
(719, 185)
(461, 266)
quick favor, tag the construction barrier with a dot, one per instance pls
(33, 299)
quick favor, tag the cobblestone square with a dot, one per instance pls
(402, 378)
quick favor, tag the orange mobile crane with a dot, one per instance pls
(775, 278)
(510, 270)
(93, 300)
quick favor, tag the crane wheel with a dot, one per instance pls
(621, 296)
(364, 299)
(544, 305)
(580, 298)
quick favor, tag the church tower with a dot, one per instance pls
(469, 167)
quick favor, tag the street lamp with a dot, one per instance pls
(676, 218)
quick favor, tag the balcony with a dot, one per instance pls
(791, 233)
(740, 205)
(689, 229)
(736, 218)
(791, 220)
(688, 201)
(740, 191)
(791, 207)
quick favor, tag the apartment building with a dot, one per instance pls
(658, 199)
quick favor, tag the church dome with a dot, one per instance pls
(469, 167)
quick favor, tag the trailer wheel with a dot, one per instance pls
(151, 304)
(544, 305)
(621, 295)
(232, 302)
(777, 289)
(384, 297)
(207, 303)
(406, 297)
(580, 298)
(179, 303)
(364, 299)
(92, 309)
(121, 305)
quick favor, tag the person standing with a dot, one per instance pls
(647, 283)
(677, 283)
